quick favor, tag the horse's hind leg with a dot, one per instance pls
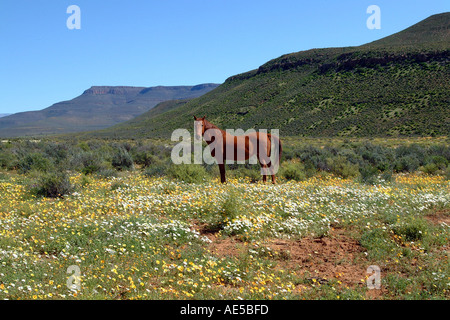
(222, 172)
(274, 180)
(270, 168)
(264, 166)
(263, 161)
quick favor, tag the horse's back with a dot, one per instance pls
(247, 145)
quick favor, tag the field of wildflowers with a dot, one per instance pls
(140, 237)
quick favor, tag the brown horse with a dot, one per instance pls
(225, 146)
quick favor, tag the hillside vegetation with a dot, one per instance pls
(396, 86)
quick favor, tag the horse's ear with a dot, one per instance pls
(204, 117)
(195, 118)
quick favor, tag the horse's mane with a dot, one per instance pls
(209, 125)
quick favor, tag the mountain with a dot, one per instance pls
(434, 31)
(98, 107)
(4, 114)
(398, 85)
(137, 127)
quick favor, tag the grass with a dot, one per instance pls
(135, 237)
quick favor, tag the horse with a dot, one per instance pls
(225, 146)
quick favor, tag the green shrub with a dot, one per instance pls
(122, 160)
(53, 185)
(57, 151)
(229, 210)
(430, 168)
(342, 167)
(412, 150)
(230, 207)
(314, 157)
(377, 243)
(143, 158)
(84, 146)
(85, 180)
(190, 173)
(397, 285)
(439, 161)
(253, 174)
(368, 174)
(412, 230)
(118, 185)
(293, 170)
(107, 173)
(407, 164)
(156, 170)
(87, 162)
(35, 161)
(7, 160)
(384, 166)
(146, 155)
(386, 176)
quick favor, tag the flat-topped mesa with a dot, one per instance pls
(120, 90)
(96, 108)
(204, 86)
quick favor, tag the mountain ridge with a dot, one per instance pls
(434, 29)
(392, 86)
(96, 108)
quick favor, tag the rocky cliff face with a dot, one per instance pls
(119, 90)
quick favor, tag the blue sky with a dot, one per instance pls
(171, 42)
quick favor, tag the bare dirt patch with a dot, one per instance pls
(220, 246)
(322, 259)
(317, 260)
(439, 216)
(229, 246)
(336, 256)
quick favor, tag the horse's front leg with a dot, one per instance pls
(222, 172)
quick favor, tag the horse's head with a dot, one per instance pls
(199, 127)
